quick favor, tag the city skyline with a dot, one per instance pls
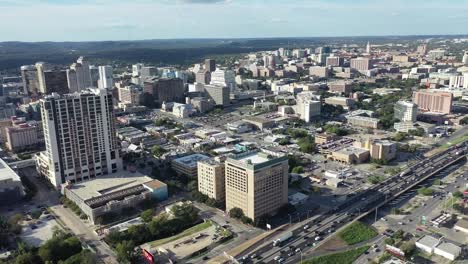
(144, 19)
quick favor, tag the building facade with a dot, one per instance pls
(219, 94)
(438, 102)
(257, 183)
(211, 179)
(80, 137)
(405, 111)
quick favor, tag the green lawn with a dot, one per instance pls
(186, 232)
(357, 232)
(347, 257)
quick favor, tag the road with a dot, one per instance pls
(356, 207)
(68, 218)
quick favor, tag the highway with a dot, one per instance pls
(358, 206)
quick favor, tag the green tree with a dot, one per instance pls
(236, 213)
(458, 194)
(298, 169)
(147, 215)
(126, 252)
(185, 212)
(306, 145)
(246, 220)
(84, 257)
(158, 151)
(400, 136)
(408, 247)
(425, 191)
(390, 241)
(27, 258)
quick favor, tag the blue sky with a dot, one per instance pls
(75, 20)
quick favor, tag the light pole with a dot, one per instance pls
(290, 218)
(376, 209)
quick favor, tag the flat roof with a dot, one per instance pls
(257, 159)
(450, 248)
(108, 184)
(191, 160)
(428, 241)
(352, 150)
(7, 173)
(254, 158)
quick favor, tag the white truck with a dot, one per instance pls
(283, 237)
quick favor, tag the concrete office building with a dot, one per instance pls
(80, 137)
(378, 149)
(219, 94)
(334, 61)
(341, 87)
(79, 75)
(188, 165)
(256, 182)
(130, 94)
(210, 65)
(202, 104)
(211, 179)
(438, 102)
(224, 78)
(405, 111)
(148, 71)
(165, 89)
(343, 101)
(318, 71)
(30, 81)
(308, 105)
(21, 137)
(105, 77)
(136, 69)
(465, 57)
(203, 76)
(362, 64)
(41, 67)
(11, 188)
(363, 121)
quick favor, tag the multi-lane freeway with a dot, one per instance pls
(313, 231)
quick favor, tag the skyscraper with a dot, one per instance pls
(72, 79)
(79, 75)
(257, 182)
(80, 139)
(211, 179)
(85, 75)
(40, 68)
(368, 48)
(55, 81)
(30, 81)
(438, 102)
(224, 78)
(465, 57)
(105, 77)
(210, 65)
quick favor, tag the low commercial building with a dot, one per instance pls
(343, 101)
(111, 194)
(407, 126)
(11, 188)
(448, 250)
(239, 127)
(321, 72)
(211, 179)
(131, 134)
(188, 165)
(259, 122)
(350, 155)
(341, 87)
(21, 137)
(379, 149)
(461, 225)
(427, 244)
(363, 121)
(324, 138)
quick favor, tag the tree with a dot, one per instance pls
(126, 252)
(158, 151)
(298, 169)
(246, 220)
(185, 212)
(192, 185)
(147, 215)
(306, 145)
(84, 257)
(27, 258)
(60, 247)
(390, 241)
(236, 213)
(408, 247)
(458, 194)
(398, 234)
(400, 136)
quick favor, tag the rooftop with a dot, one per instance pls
(428, 241)
(7, 173)
(450, 248)
(191, 160)
(105, 185)
(352, 150)
(257, 159)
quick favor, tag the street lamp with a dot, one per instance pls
(300, 250)
(290, 218)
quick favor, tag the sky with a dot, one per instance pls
(86, 20)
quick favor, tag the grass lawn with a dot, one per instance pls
(186, 232)
(346, 257)
(357, 232)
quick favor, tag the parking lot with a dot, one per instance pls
(37, 231)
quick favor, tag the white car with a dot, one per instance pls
(277, 258)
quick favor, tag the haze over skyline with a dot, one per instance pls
(74, 20)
